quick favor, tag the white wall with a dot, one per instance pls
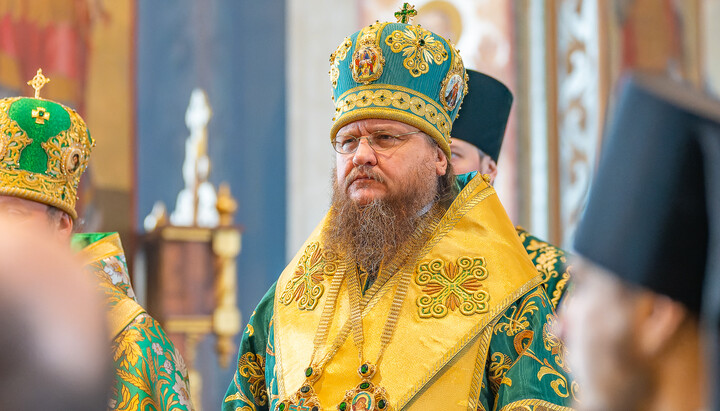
(315, 29)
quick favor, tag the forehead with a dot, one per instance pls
(6, 200)
(375, 124)
(461, 145)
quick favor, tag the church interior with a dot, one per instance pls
(211, 122)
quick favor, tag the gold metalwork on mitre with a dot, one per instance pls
(406, 14)
(38, 82)
(44, 149)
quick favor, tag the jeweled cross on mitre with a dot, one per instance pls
(406, 14)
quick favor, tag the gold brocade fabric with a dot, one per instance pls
(150, 373)
(456, 291)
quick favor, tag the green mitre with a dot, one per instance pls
(44, 149)
(398, 71)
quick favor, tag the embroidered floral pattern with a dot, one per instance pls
(517, 317)
(149, 372)
(550, 262)
(306, 286)
(252, 368)
(499, 365)
(452, 286)
(419, 48)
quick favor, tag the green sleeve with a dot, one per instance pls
(525, 367)
(552, 264)
(256, 362)
(150, 373)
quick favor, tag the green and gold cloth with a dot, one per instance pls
(551, 262)
(475, 330)
(150, 374)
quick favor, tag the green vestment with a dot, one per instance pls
(150, 373)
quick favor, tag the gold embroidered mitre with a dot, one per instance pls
(44, 149)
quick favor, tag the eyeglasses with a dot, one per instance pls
(379, 141)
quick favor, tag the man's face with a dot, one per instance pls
(368, 175)
(467, 158)
(599, 322)
(31, 216)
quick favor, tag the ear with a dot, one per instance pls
(65, 226)
(662, 319)
(491, 167)
(441, 161)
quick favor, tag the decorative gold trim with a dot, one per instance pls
(523, 404)
(107, 247)
(335, 58)
(38, 197)
(481, 359)
(122, 314)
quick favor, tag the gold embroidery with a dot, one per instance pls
(546, 257)
(534, 405)
(499, 365)
(559, 382)
(126, 347)
(419, 47)
(58, 185)
(518, 321)
(238, 396)
(14, 138)
(553, 343)
(336, 58)
(399, 98)
(522, 340)
(306, 286)
(452, 286)
(252, 367)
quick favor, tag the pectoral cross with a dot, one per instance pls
(38, 82)
(299, 406)
(406, 14)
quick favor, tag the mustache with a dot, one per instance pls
(363, 171)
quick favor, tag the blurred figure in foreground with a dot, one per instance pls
(633, 321)
(53, 346)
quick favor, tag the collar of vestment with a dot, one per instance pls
(471, 268)
(100, 253)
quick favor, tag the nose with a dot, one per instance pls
(364, 155)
